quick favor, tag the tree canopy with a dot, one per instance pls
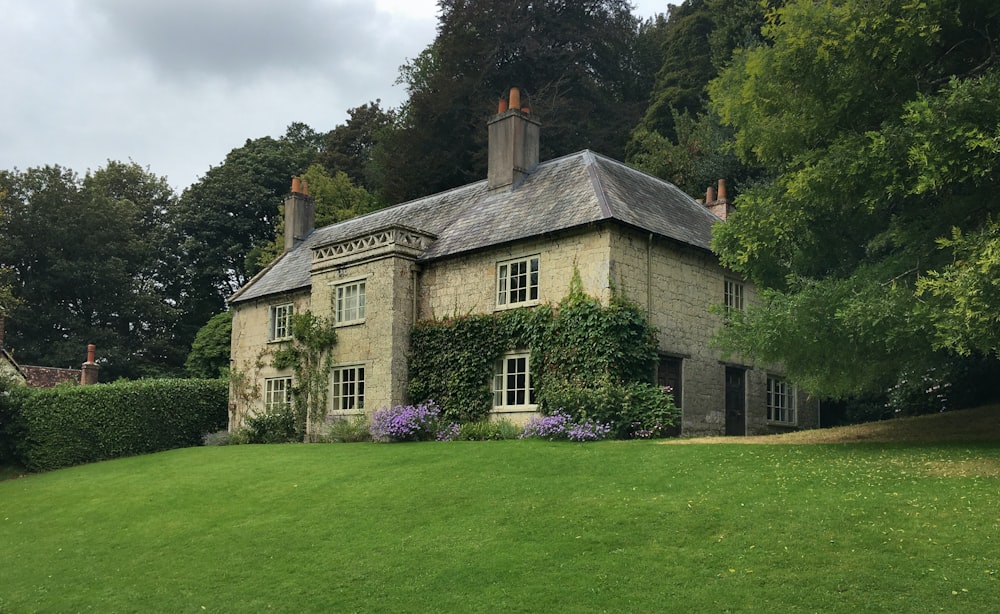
(877, 124)
(584, 68)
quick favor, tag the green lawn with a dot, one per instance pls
(511, 526)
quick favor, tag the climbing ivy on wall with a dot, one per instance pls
(308, 355)
(590, 360)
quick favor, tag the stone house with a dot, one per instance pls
(509, 241)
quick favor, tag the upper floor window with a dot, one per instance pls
(349, 302)
(280, 322)
(517, 281)
(780, 400)
(512, 385)
(348, 385)
(733, 295)
(277, 393)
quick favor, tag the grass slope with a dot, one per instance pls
(519, 526)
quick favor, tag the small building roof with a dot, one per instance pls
(560, 194)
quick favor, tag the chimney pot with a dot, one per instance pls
(296, 185)
(722, 189)
(709, 195)
(501, 106)
(515, 98)
(305, 186)
(91, 353)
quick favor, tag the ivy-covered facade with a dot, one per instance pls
(506, 253)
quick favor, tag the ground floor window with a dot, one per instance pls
(780, 400)
(668, 374)
(277, 393)
(512, 385)
(348, 388)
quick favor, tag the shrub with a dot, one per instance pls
(636, 410)
(70, 425)
(218, 438)
(273, 427)
(483, 430)
(411, 423)
(347, 430)
(560, 425)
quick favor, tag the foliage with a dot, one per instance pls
(559, 425)
(487, 430)
(12, 426)
(308, 355)
(888, 143)
(584, 68)
(411, 423)
(209, 355)
(84, 261)
(336, 198)
(679, 139)
(581, 351)
(70, 425)
(350, 146)
(222, 221)
(279, 426)
(348, 430)
(218, 438)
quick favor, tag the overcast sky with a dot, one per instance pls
(174, 85)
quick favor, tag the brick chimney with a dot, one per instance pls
(513, 146)
(300, 214)
(88, 372)
(719, 204)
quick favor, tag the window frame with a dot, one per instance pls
(357, 393)
(733, 295)
(781, 401)
(279, 322)
(531, 275)
(502, 379)
(360, 308)
(271, 390)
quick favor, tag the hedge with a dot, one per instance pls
(67, 426)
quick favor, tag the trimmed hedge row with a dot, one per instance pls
(67, 426)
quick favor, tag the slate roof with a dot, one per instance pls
(560, 194)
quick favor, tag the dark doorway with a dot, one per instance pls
(736, 416)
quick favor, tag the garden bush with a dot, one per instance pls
(412, 423)
(273, 427)
(636, 410)
(71, 425)
(559, 425)
(484, 430)
(347, 430)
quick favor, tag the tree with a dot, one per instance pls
(88, 267)
(337, 199)
(350, 146)
(220, 220)
(209, 357)
(877, 123)
(679, 139)
(582, 67)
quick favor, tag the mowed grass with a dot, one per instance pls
(511, 526)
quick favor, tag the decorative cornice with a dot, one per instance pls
(396, 240)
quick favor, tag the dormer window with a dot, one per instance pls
(517, 282)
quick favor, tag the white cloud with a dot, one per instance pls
(176, 84)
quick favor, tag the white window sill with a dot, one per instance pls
(516, 305)
(350, 323)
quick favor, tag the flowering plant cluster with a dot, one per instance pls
(411, 423)
(559, 425)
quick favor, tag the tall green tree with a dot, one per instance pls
(337, 199)
(582, 66)
(877, 121)
(350, 146)
(87, 261)
(222, 221)
(678, 138)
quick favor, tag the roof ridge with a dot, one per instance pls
(590, 162)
